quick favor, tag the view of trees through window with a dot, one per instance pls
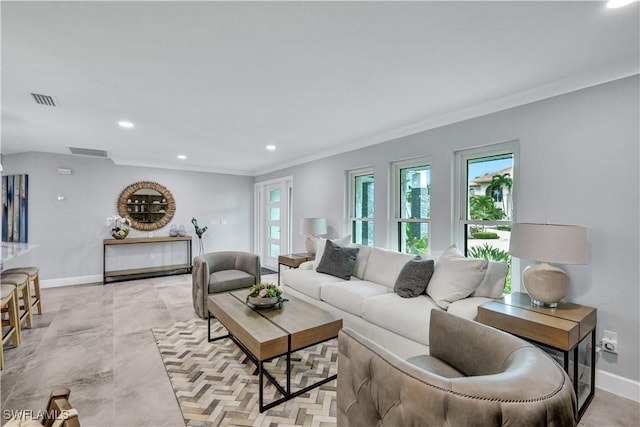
(490, 209)
(362, 209)
(414, 209)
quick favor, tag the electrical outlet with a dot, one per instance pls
(610, 342)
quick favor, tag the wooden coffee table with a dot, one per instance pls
(265, 334)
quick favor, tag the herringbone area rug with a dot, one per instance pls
(215, 383)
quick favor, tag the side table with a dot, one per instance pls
(293, 261)
(562, 329)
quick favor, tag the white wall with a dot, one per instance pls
(70, 232)
(579, 165)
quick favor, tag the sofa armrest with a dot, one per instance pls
(307, 265)
(467, 307)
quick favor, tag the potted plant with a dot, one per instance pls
(119, 226)
(265, 295)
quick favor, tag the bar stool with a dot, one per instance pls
(34, 277)
(21, 282)
(9, 303)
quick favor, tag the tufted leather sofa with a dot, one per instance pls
(220, 272)
(475, 375)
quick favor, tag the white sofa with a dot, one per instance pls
(368, 304)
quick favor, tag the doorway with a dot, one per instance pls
(273, 219)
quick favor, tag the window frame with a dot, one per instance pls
(396, 206)
(460, 221)
(352, 175)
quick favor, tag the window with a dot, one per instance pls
(411, 194)
(485, 201)
(361, 198)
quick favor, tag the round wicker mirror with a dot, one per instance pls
(148, 205)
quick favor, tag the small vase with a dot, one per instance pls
(173, 230)
(120, 234)
(181, 231)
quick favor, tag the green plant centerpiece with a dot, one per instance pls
(265, 295)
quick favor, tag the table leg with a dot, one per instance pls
(289, 365)
(279, 274)
(260, 387)
(576, 380)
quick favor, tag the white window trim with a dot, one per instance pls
(351, 177)
(395, 199)
(460, 196)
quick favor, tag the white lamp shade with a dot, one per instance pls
(313, 226)
(561, 244)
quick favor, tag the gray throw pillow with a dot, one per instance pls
(414, 278)
(338, 260)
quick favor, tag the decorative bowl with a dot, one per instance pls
(263, 302)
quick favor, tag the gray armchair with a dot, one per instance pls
(474, 376)
(220, 272)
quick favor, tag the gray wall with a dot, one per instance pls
(579, 165)
(70, 232)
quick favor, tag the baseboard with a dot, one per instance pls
(616, 384)
(69, 281)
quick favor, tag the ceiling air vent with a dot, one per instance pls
(43, 99)
(88, 152)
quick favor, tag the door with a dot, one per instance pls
(273, 227)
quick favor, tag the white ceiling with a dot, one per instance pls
(218, 81)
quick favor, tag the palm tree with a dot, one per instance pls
(498, 183)
(483, 208)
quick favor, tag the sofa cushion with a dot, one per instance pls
(492, 284)
(341, 241)
(338, 260)
(455, 277)
(307, 282)
(384, 266)
(414, 278)
(349, 296)
(227, 280)
(408, 317)
(361, 260)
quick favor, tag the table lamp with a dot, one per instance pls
(560, 244)
(312, 228)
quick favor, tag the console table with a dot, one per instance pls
(562, 329)
(133, 273)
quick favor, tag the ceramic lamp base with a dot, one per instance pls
(545, 284)
(311, 244)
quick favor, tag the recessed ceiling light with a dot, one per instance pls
(271, 147)
(182, 156)
(125, 124)
(619, 3)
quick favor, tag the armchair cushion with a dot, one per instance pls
(228, 280)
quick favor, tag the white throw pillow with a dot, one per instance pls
(340, 241)
(492, 285)
(455, 277)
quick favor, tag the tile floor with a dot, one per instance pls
(97, 341)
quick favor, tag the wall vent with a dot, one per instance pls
(43, 99)
(88, 152)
